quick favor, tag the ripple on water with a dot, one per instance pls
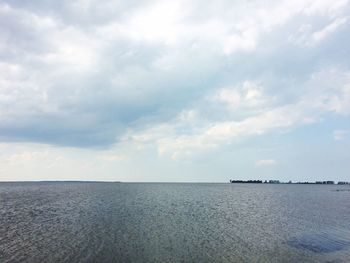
(107, 222)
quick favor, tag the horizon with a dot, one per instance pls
(264, 181)
(180, 91)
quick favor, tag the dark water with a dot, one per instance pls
(112, 222)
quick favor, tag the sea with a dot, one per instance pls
(173, 222)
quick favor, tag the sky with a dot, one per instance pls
(174, 91)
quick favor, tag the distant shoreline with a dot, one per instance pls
(289, 182)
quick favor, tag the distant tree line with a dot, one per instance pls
(246, 182)
(278, 182)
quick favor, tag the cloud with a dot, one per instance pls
(309, 35)
(247, 112)
(339, 135)
(333, 26)
(265, 162)
(181, 77)
(247, 95)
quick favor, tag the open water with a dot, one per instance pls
(154, 222)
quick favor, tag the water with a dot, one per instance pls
(121, 222)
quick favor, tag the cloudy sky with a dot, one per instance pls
(174, 90)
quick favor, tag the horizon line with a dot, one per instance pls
(198, 182)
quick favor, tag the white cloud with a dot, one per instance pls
(265, 162)
(310, 35)
(245, 95)
(339, 135)
(324, 92)
(324, 6)
(329, 90)
(327, 30)
(167, 79)
(246, 40)
(224, 132)
(97, 78)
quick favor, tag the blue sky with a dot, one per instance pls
(174, 90)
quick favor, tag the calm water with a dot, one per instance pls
(120, 222)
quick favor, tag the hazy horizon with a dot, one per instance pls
(174, 91)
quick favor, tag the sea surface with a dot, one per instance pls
(159, 222)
